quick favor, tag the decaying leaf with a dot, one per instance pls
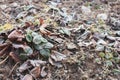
(100, 48)
(6, 27)
(3, 51)
(26, 65)
(16, 34)
(14, 56)
(27, 77)
(57, 64)
(37, 62)
(71, 46)
(65, 31)
(30, 63)
(36, 72)
(58, 56)
(43, 30)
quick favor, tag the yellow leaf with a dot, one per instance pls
(6, 27)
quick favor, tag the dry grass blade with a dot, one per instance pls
(4, 60)
(3, 50)
(13, 69)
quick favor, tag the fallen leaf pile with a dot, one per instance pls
(43, 35)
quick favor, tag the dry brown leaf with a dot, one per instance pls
(16, 34)
(26, 65)
(30, 63)
(14, 57)
(43, 30)
(35, 72)
(4, 45)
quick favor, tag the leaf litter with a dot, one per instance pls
(54, 40)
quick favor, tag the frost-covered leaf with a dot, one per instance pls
(109, 56)
(99, 48)
(58, 56)
(21, 15)
(37, 39)
(43, 40)
(45, 52)
(101, 42)
(34, 34)
(38, 47)
(48, 45)
(37, 62)
(65, 31)
(24, 66)
(43, 73)
(28, 50)
(71, 46)
(108, 63)
(27, 77)
(116, 71)
(29, 7)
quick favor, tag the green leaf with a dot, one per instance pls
(28, 50)
(37, 39)
(43, 40)
(36, 22)
(101, 54)
(48, 45)
(35, 34)
(108, 63)
(45, 52)
(38, 47)
(65, 31)
(109, 56)
(29, 37)
(23, 56)
(117, 59)
(116, 71)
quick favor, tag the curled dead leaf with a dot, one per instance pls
(35, 72)
(4, 45)
(43, 30)
(27, 77)
(58, 56)
(43, 73)
(37, 62)
(16, 34)
(41, 21)
(26, 65)
(14, 57)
